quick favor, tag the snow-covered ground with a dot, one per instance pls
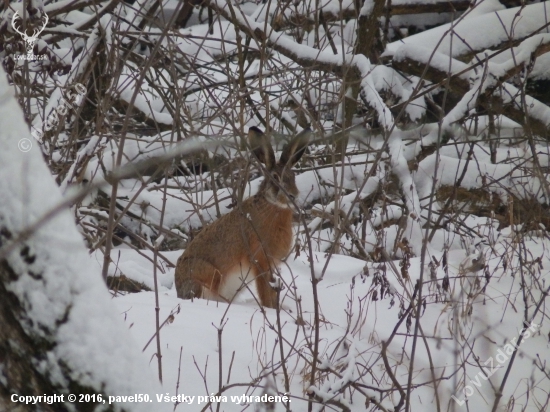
(356, 317)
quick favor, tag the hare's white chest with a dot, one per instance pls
(239, 279)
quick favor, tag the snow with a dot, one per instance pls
(481, 80)
(536, 109)
(482, 7)
(479, 173)
(367, 8)
(301, 51)
(425, 54)
(479, 32)
(249, 345)
(145, 101)
(65, 299)
(137, 266)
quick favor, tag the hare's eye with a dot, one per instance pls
(276, 177)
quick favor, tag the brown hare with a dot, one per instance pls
(250, 241)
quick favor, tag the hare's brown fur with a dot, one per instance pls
(250, 241)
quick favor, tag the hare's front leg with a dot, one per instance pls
(194, 274)
(263, 268)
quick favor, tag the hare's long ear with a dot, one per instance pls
(293, 151)
(261, 147)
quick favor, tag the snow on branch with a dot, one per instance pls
(521, 57)
(81, 25)
(307, 57)
(333, 11)
(438, 68)
(372, 98)
(66, 6)
(478, 33)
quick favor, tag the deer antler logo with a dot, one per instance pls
(30, 40)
